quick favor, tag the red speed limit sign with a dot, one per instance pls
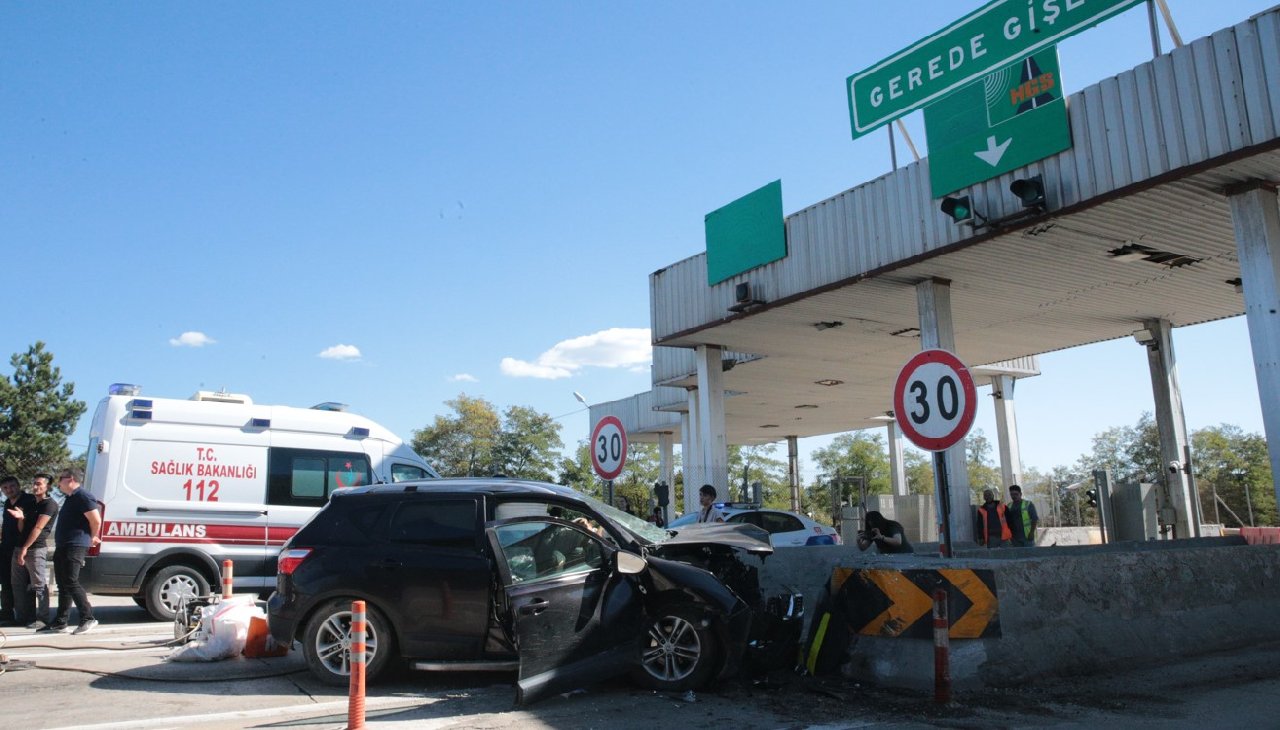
(608, 447)
(934, 400)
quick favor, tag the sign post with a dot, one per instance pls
(608, 452)
(991, 37)
(935, 402)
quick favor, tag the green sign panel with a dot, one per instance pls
(746, 233)
(989, 38)
(1009, 118)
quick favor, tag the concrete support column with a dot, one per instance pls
(897, 463)
(793, 471)
(1257, 224)
(933, 300)
(691, 453)
(1172, 426)
(666, 469)
(1007, 430)
(715, 448)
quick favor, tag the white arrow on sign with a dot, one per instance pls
(992, 154)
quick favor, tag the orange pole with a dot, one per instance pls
(226, 578)
(355, 702)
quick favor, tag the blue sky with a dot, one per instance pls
(387, 204)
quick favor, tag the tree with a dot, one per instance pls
(37, 414)
(856, 454)
(919, 468)
(639, 473)
(527, 445)
(1227, 460)
(978, 461)
(756, 463)
(474, 441)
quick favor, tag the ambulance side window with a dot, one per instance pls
(406, 472)
(307, 477)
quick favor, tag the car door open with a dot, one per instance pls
(575, 618)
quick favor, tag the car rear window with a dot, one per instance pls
(440, 523)
(343, 524)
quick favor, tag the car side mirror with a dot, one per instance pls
(630, 563)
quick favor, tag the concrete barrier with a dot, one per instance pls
(1066, 610)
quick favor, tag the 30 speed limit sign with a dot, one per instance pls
(608, 447)
(934, 400)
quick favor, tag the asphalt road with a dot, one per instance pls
(115, 677)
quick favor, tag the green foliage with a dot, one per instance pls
(919, 468)
(757, 463)
(527, 445)
(1227, 460)
(981, 474)
(633, 489)
(474, 441)
(37, 414)
(856, 454)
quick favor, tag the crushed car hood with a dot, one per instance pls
(737, 535)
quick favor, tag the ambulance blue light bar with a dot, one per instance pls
(359, 432)
(260, 423)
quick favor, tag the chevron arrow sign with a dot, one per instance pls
(899, 603)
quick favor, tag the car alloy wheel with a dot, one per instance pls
(327, 643)
(677, 651)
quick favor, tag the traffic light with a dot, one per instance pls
(960, 209)
(1030, 191)
(663, 493)
(1092, 496)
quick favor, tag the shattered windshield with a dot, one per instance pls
(646, 531)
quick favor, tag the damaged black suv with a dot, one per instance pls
(498, 574)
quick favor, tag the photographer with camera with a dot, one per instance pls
(887, 535)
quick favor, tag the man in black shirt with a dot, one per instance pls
(76, 532)
(887, 535)
(30, 569)
(10, 538)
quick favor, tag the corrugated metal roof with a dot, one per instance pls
(1153, 148)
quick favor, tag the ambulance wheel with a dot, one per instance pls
(677, 650)
(326, 643)
(170, 586)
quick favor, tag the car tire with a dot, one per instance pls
(326, 643)
(677, 651)
(170, 586)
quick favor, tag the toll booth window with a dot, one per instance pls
(407, 472)
(308, 477)
(448, 523)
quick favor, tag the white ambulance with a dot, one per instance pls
(186, 484)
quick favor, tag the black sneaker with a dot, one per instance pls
(53, 629)
(86, 626)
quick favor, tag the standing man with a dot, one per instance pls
(708, 511)
(30, 566)
(76, 532)
(15, 504)
(993, 528)
(1022, 518)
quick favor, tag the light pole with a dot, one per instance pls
(1073, 488)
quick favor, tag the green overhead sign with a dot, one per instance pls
(749, 232)
(1008, 118)
(989, 38)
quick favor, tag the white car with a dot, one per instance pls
(786, 529)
